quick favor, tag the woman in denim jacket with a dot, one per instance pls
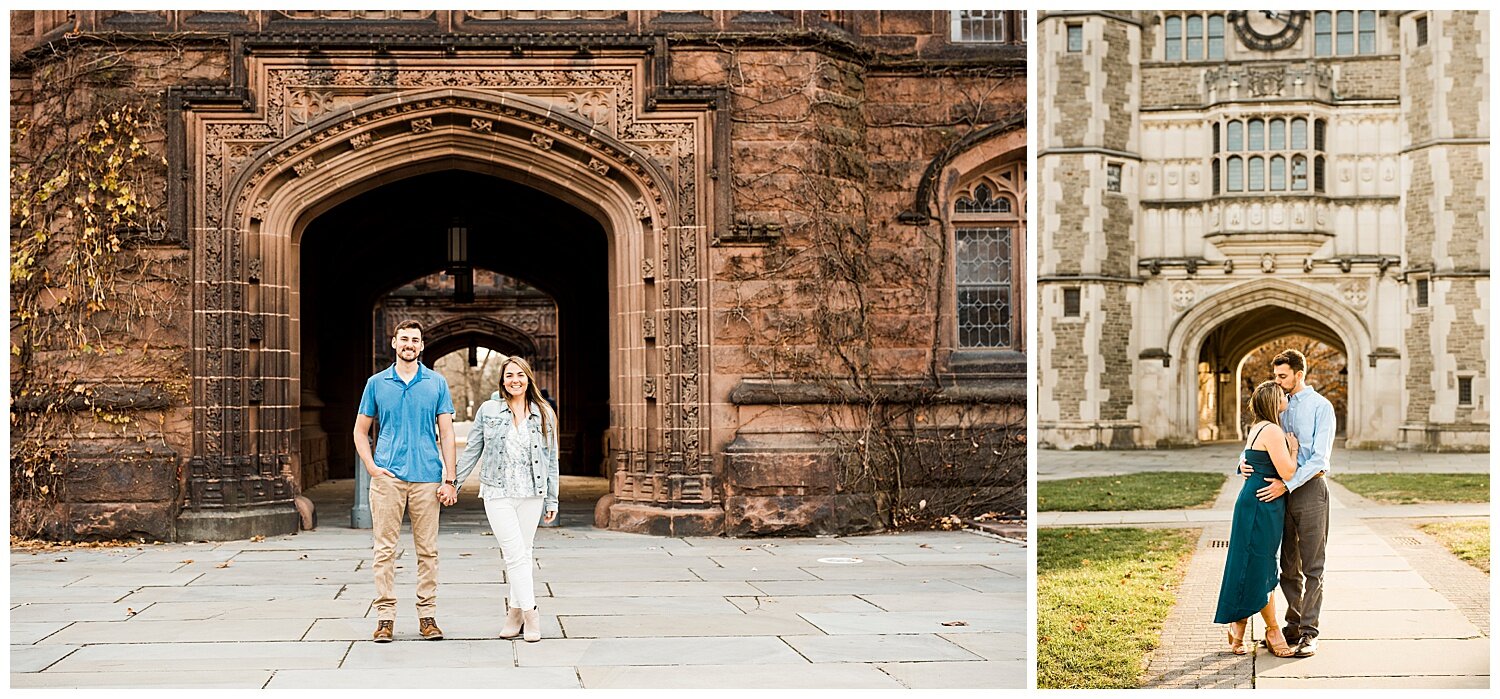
(514, 441)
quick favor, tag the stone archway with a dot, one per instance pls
(1322, 317)
(248, 228)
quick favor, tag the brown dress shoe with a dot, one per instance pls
(383, 630)
(430, 630)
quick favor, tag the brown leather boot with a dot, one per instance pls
(430, 630)
(512, 627)
(531, 621)
(383, 630)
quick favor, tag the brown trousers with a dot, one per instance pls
(390, 499)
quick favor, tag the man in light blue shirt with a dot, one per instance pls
(1304, 540)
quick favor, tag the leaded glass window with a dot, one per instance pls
(983, 276)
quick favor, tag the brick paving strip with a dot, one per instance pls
(1400, 611)
(918, 610)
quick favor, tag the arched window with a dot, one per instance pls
(1299, 173)
(1235, 180)
(1195, 37)
(1318, 174)
(1278, 134)
(1366, 31)
(1323, 34)
(989, 252)
(1257, 174)
(1214, 164)
(1278, 173)
(1236, 136)
(1174, 38)
(1216, 137)
(1299, 134)
(1256, 137)
(1344, 32)
(1215, 37)
(1320, 128)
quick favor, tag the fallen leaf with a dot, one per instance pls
(64, 559)
(129, 612)
(257, 538)
(187, 560)
(225, 564)
(955, 623)
(464, 555)
(924, 546)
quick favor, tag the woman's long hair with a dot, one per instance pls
(1265, 402)
(533, 393)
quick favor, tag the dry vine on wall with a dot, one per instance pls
(89, 310)
(833, 300)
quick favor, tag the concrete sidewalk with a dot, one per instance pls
(1399, 610)
(1054, 464)
(930, 609)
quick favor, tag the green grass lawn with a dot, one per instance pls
(1102, 595)
(1469, 539)
(1408, 488)
(1157, 490)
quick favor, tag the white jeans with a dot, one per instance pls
(514, 520)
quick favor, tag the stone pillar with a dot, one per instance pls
(1089, 124)
(1446, 333)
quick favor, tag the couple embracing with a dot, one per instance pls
(413, 469)
(1283, 503)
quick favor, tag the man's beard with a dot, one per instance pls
(409, 355)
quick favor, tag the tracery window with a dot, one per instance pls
(989, 253)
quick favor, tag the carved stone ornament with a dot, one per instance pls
(481, 125)
(1183, 295)
(541, 141)
(648, 268)
(421, 125)
(642, 210)
(307, 105)
(648, 327)
(361, 141)
(1267, 262)
(1267, 82)
(598, 166)
(648, 387)
(259, 211)
(305, 166)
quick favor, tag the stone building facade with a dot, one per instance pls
(680, 185)
(1213, 181)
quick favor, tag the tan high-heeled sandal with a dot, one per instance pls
(1278, 645)
(1237, 643)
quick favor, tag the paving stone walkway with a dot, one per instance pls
(619, 610)
(1399, 610)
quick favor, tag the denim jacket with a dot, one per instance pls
(486, 448)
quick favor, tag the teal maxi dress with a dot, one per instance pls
(1254, 536)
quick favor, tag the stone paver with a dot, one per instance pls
(871, 649)
(842, 675)
(956, 675)
(618, 610)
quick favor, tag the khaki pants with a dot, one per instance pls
(390, 499)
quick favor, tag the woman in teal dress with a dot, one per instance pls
(1250, 573)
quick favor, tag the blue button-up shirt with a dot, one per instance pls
(1310, 417)
(407, 444)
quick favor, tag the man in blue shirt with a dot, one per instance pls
(1304, 540)
(407, 472)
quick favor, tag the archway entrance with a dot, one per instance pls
(381, 256)
(1236, 356)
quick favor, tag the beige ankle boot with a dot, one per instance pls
(532, 621)
(512, 627)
